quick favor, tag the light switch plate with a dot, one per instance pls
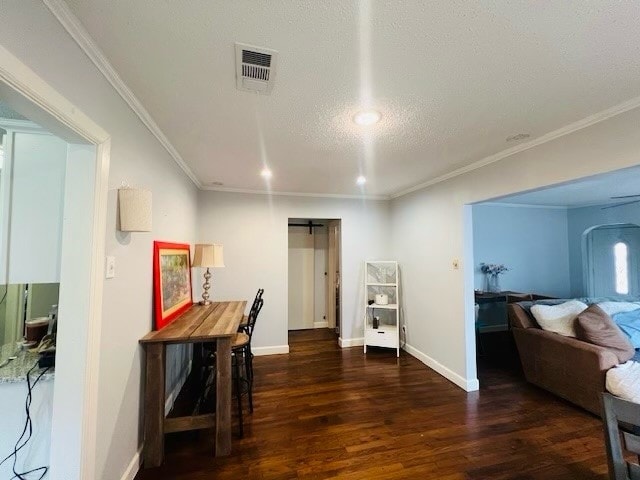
(456, 264)
(110, 267)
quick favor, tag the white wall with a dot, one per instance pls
(31, 33)
(531, 241)
(431, 227)
(73, 312)
(253, 230)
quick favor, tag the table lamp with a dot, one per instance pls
(207, 256)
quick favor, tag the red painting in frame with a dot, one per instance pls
(171, 281)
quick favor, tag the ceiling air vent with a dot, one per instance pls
(255, 68)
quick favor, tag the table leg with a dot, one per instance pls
(154, 405)
(223, 396)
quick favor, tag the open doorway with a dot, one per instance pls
(314, 276)
(53, 217)
(576, 241)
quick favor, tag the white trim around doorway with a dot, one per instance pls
(16, 79)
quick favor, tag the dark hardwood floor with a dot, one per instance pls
(324, 412)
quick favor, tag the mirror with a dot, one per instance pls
(20, 303)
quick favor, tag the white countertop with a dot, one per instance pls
(16, 370)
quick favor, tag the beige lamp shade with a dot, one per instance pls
(135, 210)
(208, 255)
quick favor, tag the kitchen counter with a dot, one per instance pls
(16, 370)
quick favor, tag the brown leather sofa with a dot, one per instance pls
(570, 368)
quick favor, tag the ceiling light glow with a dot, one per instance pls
(266, 173)
(367, 117)
(361, 180)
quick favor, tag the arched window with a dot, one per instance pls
(621, 262)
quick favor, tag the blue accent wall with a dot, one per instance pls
(531, 241)
(582, 219)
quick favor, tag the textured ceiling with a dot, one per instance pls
(596, 190)
(452, 79)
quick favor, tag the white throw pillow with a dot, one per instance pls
(611, 308)
(559, 318)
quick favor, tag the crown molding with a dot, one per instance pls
(520, 205)
(294, 194)
(548, 137)
(72, 25)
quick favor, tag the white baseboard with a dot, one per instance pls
(324, 324)
(275, 350)
(469, 385)
(171, 398)
(133, 467)
(350, 342)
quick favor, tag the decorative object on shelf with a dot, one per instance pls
(492, 272)
(382, 299)
(171, 281)
(135, 209)
(382, 310)
(208, 256)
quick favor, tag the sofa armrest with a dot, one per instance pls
(568, 367)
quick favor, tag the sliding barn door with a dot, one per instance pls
(301, 278)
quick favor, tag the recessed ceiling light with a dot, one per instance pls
(367, 117)
(519, 136)
(266, 173)
(361, 180)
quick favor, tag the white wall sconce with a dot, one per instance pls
(135, 209)
(208, 256)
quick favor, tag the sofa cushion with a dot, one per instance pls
(559, 318)
(595, 326)
(624, 381)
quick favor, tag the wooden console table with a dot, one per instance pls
(215, 323)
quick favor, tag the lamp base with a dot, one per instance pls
(205, 294)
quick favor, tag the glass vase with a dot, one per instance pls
(493, 283)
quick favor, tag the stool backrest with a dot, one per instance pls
(258, 297)
(253, 315)
(623, 417)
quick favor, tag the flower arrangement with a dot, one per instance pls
(493, 268)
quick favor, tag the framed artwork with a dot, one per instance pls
(171, 281)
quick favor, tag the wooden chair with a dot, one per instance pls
(621, 418)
